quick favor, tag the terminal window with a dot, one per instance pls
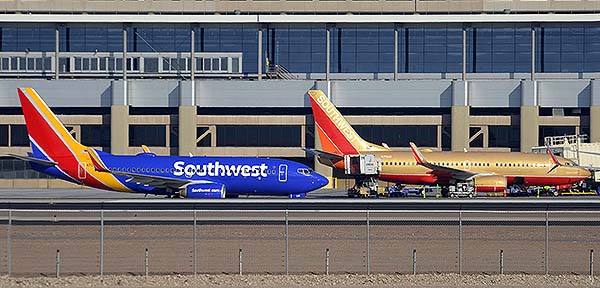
(259, 135)
(399, 135)
(19, 136)
(504, 136)
(95, 135)
(4, 135)
(151, 135)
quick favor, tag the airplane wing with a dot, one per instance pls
(323, 154)
(149, 180)
(33, 160)
(443, 170)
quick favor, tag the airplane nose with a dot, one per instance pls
(319, 180)
(585, 172)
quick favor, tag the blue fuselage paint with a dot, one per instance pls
(240, 175)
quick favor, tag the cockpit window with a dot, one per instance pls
(304, 171)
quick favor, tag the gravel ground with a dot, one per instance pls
(347, 280)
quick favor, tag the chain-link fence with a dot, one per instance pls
(140, 242)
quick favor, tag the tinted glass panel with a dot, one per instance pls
(206, 141)
(362, 49)
(299, 49)
(399, 136)
(95, 135)
(432, 49)
(257, 136)
(568, 48)
(91, 38)
(159, 37)
(18, 136)
(27, 37)
(548, 131)
(3, 135)
(151, 135)
(499, 48)
(229, 38)
(504, 136)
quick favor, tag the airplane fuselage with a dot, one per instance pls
(240, 175)
(519, 168)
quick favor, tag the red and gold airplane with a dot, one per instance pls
(487, 171)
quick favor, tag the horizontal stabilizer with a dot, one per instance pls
(323, 154)
(34, 160)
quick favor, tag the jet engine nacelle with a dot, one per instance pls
(203, 190)
(491, 183)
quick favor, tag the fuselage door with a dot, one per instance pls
(283, 168)
(467, 165)
(81, 172)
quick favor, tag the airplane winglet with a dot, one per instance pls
(417, 154)
(146, 149)
(554, 159)
(96, 161)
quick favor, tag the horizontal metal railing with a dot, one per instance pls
(111, 63)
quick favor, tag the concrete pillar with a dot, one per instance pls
(119, 119)
(530, 112)
(459, 116)
(187, 118)
(595, 111)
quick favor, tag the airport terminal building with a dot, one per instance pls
(223, 77)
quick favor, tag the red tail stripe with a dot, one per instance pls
(331, 130)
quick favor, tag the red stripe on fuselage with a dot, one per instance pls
(331, 129)
(42, 132)
(433, 179)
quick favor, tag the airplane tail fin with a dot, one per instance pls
(336, 134)
(48, 136)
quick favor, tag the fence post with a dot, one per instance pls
(57, 263)
(327, 261)
(195, 245)
(592, 265)
(146, 261)
(414, 261)
(9, 244)
(101, 242)
(368, 244)
(546, 247)
(501, 262)
(241, 261)
(460, 242)
(287, 242)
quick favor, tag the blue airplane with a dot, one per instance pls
(55, 152)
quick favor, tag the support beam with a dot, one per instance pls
(327, 52)
(119, 120)
(187, 118)
(595, 111)
(395, 52)
(464, 53)
(260, 48)
(530, 112)
(187, 130)
(460, 119)
(532, 53)
(56, 52)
